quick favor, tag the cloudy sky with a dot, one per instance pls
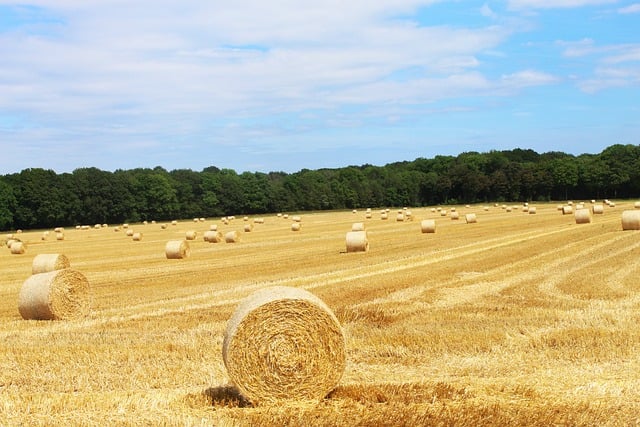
(282, 85)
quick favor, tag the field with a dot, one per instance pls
(518, 319)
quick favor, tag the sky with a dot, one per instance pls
(284, 85)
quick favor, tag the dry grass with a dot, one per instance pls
(519, 320)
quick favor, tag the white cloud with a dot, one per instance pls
(554, 4)
(633, 8)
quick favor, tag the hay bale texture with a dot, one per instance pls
(17, 247)
(631, 220)
(43, 263)
(357, 241)
(54, 295)
(428, 226)
(283, 343)
(177, 249)
(583, 216)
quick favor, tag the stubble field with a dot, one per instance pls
(518, 319)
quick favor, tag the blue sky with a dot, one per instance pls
(284, 85)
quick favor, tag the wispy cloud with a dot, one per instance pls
(632, 8)
(555, 4)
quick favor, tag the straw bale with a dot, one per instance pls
(636, 205)
(248, 228)
(212, 236)
(583, 216)
(54, 295)
(470, 218)
(597, 209)
(18, 247)
(295, 226)
(44, 263)
(566, 210)
(428, 226)
(129, 232)
(213, 227)
(532, 210)
(177, 249)
(232, 237)
(357, 241)
(137, 236)
(284, 344)
(296, 218)
(59, 236)
(455, 215)
(631, 220)
(357, 226)
(399, 217)
(384, 215)
(191, 235)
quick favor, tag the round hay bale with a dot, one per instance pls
(400, 217)
(631, 220)
(636, 205)
(471, 218)
(212, 236)
(296, 218)
(177, 249)
(137, 236)
(428, 226)
(191, 235)
(455, 215)
(443, 212)
(18, 247)
(357, 241)
(295, 226)
(163, 226)
(213, 227)
(566, 210)
(54, 295)
(384, 216)
(43, 263)
(597, 209)
(248, 228)
(129, 232)
(532, 210)
(282, 344)
(59, 236)
(357, 226)
(232, 237)
(583, 216)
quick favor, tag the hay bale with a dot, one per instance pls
(177, 249)
(631, 220)
(248, 228)
(284, 343)
(357, 241)
(400, 217)
(532, 210)
(455, 215)
(137, 236)
(43, 263)
(54, 295)
(212, 236)
(583, 216)
(213, 227)
(428, 226)
(232, 237)
(357, 226)
(636, 205)
(129, 232)
(295, 226)
(59, 236)
(471, 218)
(191, 235)
(597, 209)
(17, 247)
(566, 210)
(384, 216)
(296, 218)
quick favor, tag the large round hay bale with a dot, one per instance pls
(54, 295)
(357, 241)
(17, 247)
(583, 216)
(566, 210)
(232, 237)
(137, 236)
(248, 228)
(636, 205)
(455, 215)
(357, 226)
(471, 218)
(295, 226)
(532, 210)
(597, 209)
(59, 236)
(428, 225)
(631, 220)
(212, 236)
(44, 263)
(191, 235)
(283, 343)
(177, 249)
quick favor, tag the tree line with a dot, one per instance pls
(41, 198)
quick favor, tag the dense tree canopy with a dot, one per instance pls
(39, 198)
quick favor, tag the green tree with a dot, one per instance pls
(7, 205)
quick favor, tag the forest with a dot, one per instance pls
(42, 198)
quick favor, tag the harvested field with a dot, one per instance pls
(517, 320)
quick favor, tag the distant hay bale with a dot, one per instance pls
(284, 344)
(248, 228)
(443, 212)
(212, 236)
(177, 249)
(174, 222)
(213, 227)
(58, 230)
(18, 247)
(59, 236)
(583, 216)
(508, 208)
(191, 235)
(43, 263)
(631, 220)
(116, 229)
(470, 218)
(400, 217)
(532, 210)
(137, 236)
(357, 226)
(232, 237)
(597, 209)
(163, 226)
(258, 220)
(384, 216)
(357, 241)
(428, 226)
(367, 215)
(566, 210)
(129, 232)
(54, 295)
(636, 205)
(455, 215)
(296, 218)
(125, 226)
(295, 226)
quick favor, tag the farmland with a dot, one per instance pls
(517, 319)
